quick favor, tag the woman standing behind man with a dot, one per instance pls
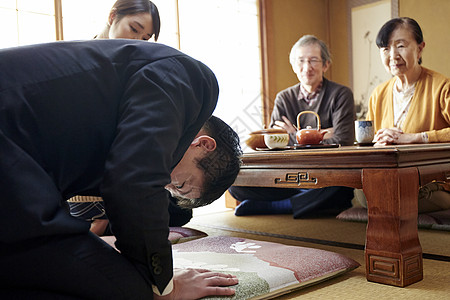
(414, 106)
(138, 20)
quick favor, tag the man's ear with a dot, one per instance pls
(205, 142)
(326, 66)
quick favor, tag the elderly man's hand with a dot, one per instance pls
(286, 125)
(198, 283)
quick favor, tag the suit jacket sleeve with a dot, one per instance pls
(164, 105)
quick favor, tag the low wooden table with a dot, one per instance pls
(390, 178)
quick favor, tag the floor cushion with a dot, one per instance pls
(439, 220)
(176, 235)
(184, 234)
(265, 270)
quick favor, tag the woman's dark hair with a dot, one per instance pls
(130, 7)
(386, 31)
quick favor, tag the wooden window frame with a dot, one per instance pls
(265, 25)
(58, 21)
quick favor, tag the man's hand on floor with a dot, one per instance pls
(198, 283)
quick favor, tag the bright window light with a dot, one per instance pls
(84, 19)
(224, 35)
(26, 22)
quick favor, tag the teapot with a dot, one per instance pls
(309, 136)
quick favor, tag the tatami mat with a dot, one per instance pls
(341, 237)
(322, 229)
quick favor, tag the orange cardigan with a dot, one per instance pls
(429, 111)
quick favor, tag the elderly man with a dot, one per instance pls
(334, 104)
(119, 119)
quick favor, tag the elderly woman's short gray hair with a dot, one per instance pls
(310, 40)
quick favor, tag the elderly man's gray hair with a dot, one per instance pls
(310, 40)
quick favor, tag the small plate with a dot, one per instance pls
(364, 144)
(275, 149)
(298, 146)
(319, 146)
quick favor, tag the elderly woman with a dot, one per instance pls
(414, 106)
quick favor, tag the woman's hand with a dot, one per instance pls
(198, 283)
(98, 226)
(389, 136)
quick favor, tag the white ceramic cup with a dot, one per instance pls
(276, 140)
(364, 132)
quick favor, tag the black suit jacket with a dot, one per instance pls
(105, 117)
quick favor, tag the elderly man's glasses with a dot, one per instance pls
(313, 62)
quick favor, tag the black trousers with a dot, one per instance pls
(69, 267)
(305, 202)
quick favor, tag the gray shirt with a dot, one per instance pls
(335, 107)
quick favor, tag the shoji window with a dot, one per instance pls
(25, 22)
(223, 34)
(83, 19)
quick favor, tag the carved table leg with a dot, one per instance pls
(393, 252)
